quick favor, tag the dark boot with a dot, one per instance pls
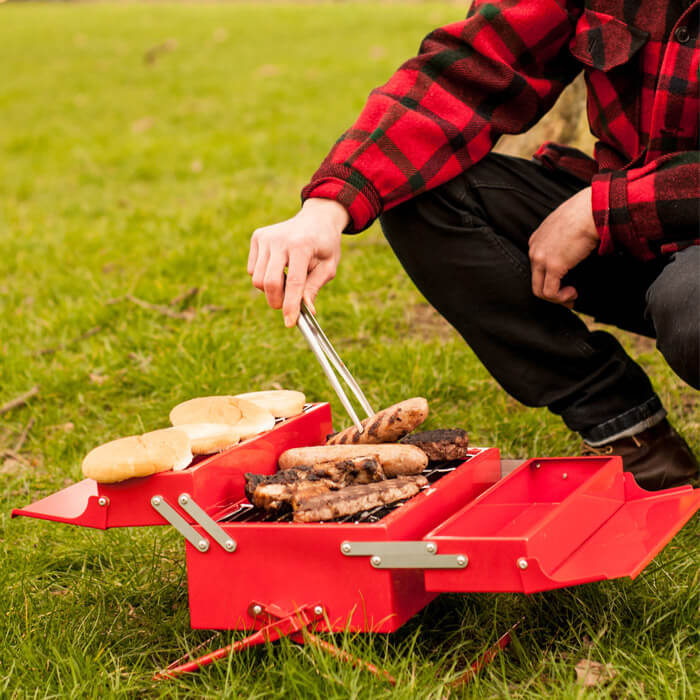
(659, 458)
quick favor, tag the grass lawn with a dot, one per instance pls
(140, 146)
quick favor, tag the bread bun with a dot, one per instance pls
(248, 418)
(255, 419)
(138, 455)
(281, 404)
(207, 438)
(207, 409)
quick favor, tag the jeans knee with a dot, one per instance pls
(679, 343)
(673, 302)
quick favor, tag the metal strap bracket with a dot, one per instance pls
(180, 524)
(404, 555)
(190, 506)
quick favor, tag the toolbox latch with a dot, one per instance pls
(404, 555)
(187, 503)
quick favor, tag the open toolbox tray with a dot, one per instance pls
(551, 523)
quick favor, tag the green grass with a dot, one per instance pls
(119, 176)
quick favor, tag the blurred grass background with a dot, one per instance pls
(140, 146)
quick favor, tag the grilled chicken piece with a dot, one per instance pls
(440, 445)
(276, 491)
(354, 470)
(279, 497)
(356, 499)
(252, 481)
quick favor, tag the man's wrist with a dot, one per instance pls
(335, 212)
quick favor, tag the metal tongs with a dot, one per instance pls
(328, 358)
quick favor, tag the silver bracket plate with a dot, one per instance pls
(228, 544)
(180, 524)
(404, 555)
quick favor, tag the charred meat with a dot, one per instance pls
(440, 445)
(356, 499)
(275, 492)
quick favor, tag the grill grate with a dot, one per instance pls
(248, 513)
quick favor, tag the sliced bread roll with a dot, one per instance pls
(256, 419)
(207, 409)
(282, 403)
(138, 455)
(248, 418)
(207, 438)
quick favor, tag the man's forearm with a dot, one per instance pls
(443, 110)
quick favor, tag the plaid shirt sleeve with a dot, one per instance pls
(497, 72)
(649, 210)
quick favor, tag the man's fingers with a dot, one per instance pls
(263, 256)
(567, 296)
(319, 276)
(537, 280)
(551, 285)
(296, 279)
(252, 255)
(273, 282)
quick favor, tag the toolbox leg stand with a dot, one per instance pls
(280, 623)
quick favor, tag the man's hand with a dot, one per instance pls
(562, 241)
(308, 245)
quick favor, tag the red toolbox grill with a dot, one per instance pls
(553, 522)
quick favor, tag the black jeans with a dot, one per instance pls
(465, 246)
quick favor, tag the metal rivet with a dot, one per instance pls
(202, 545)
(184, 499)
(156, 500)
(430, 548)
(522, 563)
(346, 548)
(376, 560)
(102, 501)
(462, 560)
(537, 465)
(230, 545)
(682, 34)
(564, 476)
(318, 610)
(257, 609)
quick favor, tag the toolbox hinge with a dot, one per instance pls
(404, 555)
(187, 503)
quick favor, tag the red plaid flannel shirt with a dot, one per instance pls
(503, 67)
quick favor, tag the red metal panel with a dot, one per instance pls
(214, 482)
(536, 530)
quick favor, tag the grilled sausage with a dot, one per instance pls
(388, 425)
(395, 459)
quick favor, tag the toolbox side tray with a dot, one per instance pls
(215, 481)
(78, 504)
(555, 523)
